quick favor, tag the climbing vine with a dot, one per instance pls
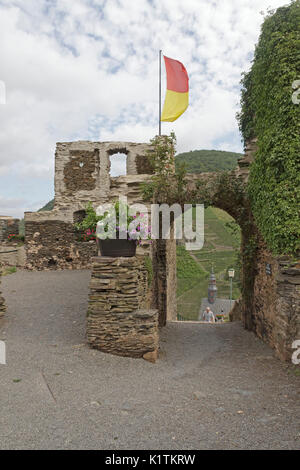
(167, 184)
(269, 114)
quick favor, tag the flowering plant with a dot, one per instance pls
(15, 237)
(89, 234)
(117, 222)
(11, 237)
(89, 223)
(139, 230)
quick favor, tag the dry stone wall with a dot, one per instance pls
(119, 320)
(53, 244)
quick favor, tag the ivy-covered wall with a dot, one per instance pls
(270, 284)
(269, 114)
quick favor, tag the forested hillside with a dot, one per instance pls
(198, 161)
(48, 207)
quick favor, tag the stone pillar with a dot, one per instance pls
(119, 320)
(164, 282)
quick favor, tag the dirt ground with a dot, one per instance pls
(214, 386)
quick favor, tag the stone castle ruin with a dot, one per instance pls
(82, 174)
(119, 320)
(270, 284)
(270, 302)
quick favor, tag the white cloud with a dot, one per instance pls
(15, 207)
(89, 70)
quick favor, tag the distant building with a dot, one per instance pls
(212, 288)
(218, 306)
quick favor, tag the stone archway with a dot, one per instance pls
(196, 266)
(269, 305)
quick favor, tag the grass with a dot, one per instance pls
(193, 268)
(9, 270)
(294, 370)
(190, 276)
(187, 267)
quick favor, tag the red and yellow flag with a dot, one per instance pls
(177, 95)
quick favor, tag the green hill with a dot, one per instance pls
(198, 161)
(48, 207)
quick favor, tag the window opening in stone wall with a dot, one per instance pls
(78, 216)
(118, 164)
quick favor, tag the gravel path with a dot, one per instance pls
(214, 386)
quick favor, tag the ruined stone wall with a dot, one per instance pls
(165, 281)
(82, 170)
(119, 320)
(81, 175)
(276, 306)
(272, 308)
(8, 226)
(53, 244)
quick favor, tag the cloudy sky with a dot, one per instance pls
(88, 69)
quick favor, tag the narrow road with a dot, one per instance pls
(214, 386)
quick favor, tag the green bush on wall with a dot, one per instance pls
(269, 114)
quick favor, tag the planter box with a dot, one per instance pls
(116, 248)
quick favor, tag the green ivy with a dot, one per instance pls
(90, 220)
(167, 184)
(269, 114)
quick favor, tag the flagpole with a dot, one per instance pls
(159, 110)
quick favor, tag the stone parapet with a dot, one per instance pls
(119, 321)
